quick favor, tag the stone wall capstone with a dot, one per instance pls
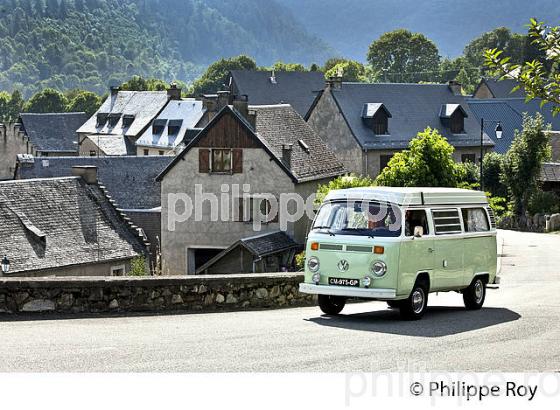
(192, 293)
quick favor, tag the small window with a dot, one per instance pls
(468, 158)
(161, 152)
(92, 153)
(414, 218)
(380, 124)
(146, 152)
(384, 161)
(117, 270)
(475, 220)
(221, 160)
(446, 221)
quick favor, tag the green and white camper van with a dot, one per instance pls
(400, 244)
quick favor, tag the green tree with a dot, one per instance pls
(351, 71)
(138, 83)
(523, 161)
(343, 182)
(4, 106)
(281, 66)
(84, 101)
(491, 174)
(215, 76)
(48, 100)
(428, 161)
(403, 56)
(539, 77)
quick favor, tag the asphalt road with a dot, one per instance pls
(517, 330)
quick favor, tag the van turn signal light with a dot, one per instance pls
(380, 250)
(314, 246)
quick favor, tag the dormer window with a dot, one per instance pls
(376, 117)
(174, 126)
(114, 119)
(453, 116)
(127, 121)
(158, 126)
(101, 119)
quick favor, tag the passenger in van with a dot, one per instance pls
(415, 218)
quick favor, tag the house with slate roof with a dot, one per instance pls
(252, 155)
(172, 127)
(48, 134)
(365, 124)
(550, 177)
(120, 121)
(494, 88)
(65, 226)
(129, 181)
(277, 87)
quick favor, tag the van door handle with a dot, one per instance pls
(430, 250)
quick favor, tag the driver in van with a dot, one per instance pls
(414, 218)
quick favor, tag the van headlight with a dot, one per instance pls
(313, 264)
(316, 278)
(378, 268)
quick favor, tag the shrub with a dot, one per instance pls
(542, 202)
(346, 181)
(300, 261)
(138, 266)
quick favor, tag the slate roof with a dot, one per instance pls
(277, 125)
(259, 246)
(550, 172)
(413, 108)
(53, 132)
(129, 180)
(57, 222)
(114, 145)
(502, 89)
(298, 89)
(144, 106)
(184, 114)
(509, 111)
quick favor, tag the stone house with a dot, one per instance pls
(121, 120)
(277, 87)
(242, 153)
(49, 134)
(172, 128)
(128, 180)
(65, 226)
(493, 88)
(365, 124)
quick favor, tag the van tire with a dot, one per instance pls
(474, 295)
(410, 308)
(394, 304)
(331, 305)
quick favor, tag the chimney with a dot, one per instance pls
(87, 172)
(287, 154)
(455, 87)
(252, 118)
(174, 92)
(223, 99)
(114, 90)
(241, 104)
(209, 102)
(334, 83)
(273, 78)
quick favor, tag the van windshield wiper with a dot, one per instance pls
(359, 230)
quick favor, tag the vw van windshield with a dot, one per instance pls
(359, 218)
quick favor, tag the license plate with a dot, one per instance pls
(344, 282)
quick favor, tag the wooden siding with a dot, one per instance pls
(228, 132)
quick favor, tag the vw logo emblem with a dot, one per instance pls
(343, 265)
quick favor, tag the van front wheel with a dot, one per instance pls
(415, 306)
(474, 295)
(331, 305)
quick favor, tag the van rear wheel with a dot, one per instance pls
(331, 305)
(474, 295)
(414, 307)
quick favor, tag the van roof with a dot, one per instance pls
(410, 195)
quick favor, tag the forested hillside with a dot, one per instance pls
(88, 44)
(350, 25)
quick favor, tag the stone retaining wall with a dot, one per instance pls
(167, 293)
(531, 223)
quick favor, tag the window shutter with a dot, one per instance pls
(237, 161)
(204, 160)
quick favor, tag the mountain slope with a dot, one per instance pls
(90, 43)
(351, 25)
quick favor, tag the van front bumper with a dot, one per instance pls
(347, 291)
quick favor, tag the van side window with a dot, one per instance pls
(446, 221)
(415, 218)
(475, 220)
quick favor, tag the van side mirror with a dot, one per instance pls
(418, 231)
